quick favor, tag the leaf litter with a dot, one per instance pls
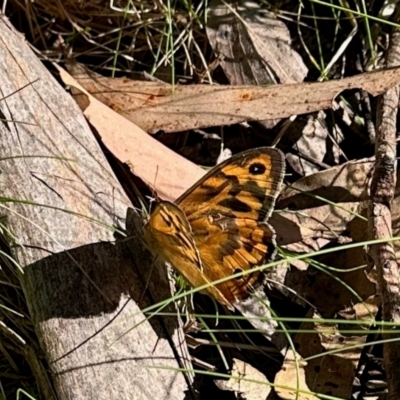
(324, 207)
(321, 209)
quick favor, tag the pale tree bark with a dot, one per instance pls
(77, 280)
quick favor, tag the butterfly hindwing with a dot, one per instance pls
(168, 235)
(234, 245)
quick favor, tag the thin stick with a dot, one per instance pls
(380, 220)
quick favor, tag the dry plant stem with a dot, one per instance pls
(380, 221)
(82, 291)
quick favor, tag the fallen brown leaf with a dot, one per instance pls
(253, 44)
(333, 374)
(290, 381)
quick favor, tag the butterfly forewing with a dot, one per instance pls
(227, 210)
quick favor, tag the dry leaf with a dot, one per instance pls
(311, 146)
(344, 183)
(253, 45)
(333, 374)
(246, 382)
(341, 218)
(322, 206)
(154, 106)
(364, 311)
(291, 378)
(322, 290)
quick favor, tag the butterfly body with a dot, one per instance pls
(219, 226)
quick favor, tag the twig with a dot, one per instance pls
(380, 220)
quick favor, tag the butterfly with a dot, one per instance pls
(219, 226)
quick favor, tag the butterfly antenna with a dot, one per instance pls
(139, 197)
(154, 192)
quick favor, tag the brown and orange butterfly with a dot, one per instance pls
(219, 226)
